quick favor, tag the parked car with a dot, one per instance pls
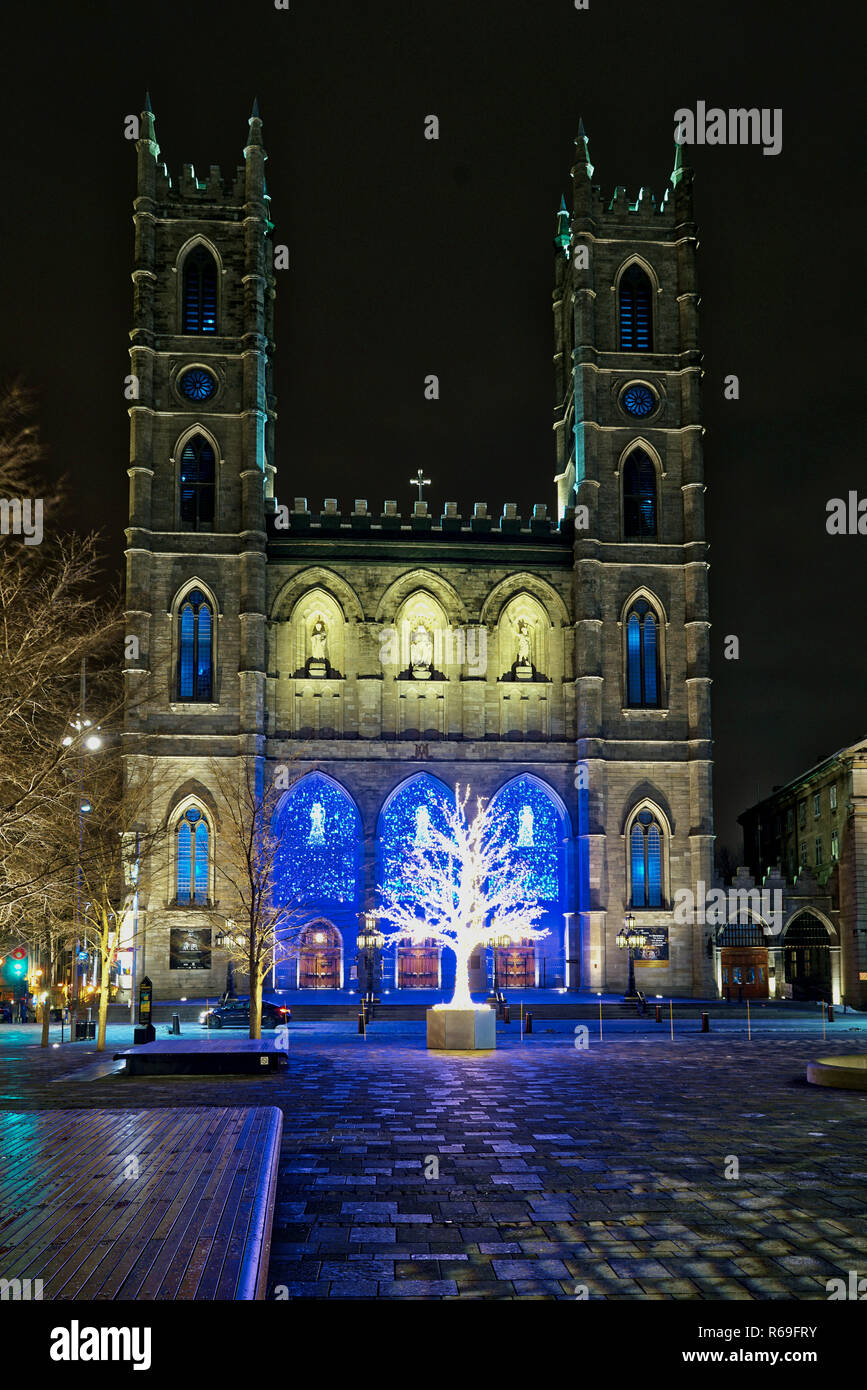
(235, 1013)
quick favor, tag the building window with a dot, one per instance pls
(200, 292)
(790, 819)
(639, 497)
(197, 483)
(197, 384)
(645, 861)
(833, 796)
(835, 844)
(642, 656)
(802, 814)
(635, 311)
(817, 804)
(195, 648)
(192, 858)
(805, 858)
(818, 850)
(533, 836)
(790, 861)
(319, 833)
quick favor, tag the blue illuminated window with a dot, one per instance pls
(192, 860)
(635, 311)
(197, 483)
(197, 385)
(533, 835)
(642, 656)
(319, 834)
(195, 648)
(639, 497)
(405, 825)
(200, 292)
(638, 400)
(645, 852)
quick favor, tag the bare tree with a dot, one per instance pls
(263, 928)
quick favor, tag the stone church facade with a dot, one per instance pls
(558, 662)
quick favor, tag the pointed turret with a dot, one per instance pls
(255, 156)
(148, 150)
(563, 238)
(679, 168)
(582, 163)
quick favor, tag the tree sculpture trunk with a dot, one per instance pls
(461, 998)
(255, 1000)
(104, 971)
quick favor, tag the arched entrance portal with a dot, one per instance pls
(418, 966)
(743, 960)
(516, 965)
(320, 957)
(807, 949)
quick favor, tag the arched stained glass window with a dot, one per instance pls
(319, 832)
(200, 292)
(195, 648)
(408, 818)
(642, 656)
(645, 853)
(198, 479)
(192, 858)
(533, 835)
(639, 497)
(636, 311)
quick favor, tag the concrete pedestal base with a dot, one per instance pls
(461, 1030)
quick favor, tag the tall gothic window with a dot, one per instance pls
(198, 478)
(639, 497)
(195, 648)
(533, 835)
(316, 864)
(200, 292)
(645, 861)
(642, 656)
(192, 858)
(635, 311)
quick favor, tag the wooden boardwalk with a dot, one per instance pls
(139, 1204)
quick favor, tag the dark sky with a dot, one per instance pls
(411, 257)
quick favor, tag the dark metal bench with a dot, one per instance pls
(202, 1056)
(139, 1204)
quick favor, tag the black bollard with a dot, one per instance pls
(176, 1024)
(705, 1023)
(659, 1013)
(361, 1021)
(528, 1023)
(830, 1013)
(507, 1013)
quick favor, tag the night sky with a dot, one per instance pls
(410, 257)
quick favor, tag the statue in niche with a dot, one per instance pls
(525, 828)
(318, 662)
(523, 662)
(317, 824)
(420, 650)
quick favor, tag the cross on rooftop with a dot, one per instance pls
(420, 481)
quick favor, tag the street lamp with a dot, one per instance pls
(631, 940)
(232, 940)
(369, 941)
(88, 737)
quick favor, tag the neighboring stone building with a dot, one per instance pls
(808, 840)
(558, 663)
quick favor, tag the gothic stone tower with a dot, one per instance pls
(629, 456)
(201, 480)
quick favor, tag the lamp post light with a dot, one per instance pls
(631, 940)
(232, 940)
(370, 941)
(87, 735)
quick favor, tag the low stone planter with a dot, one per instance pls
(461, 1030)
(847, 1073)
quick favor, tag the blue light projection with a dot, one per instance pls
(319, 835)
(533, 834)
(405, 825)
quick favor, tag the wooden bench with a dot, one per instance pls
(139, 1204)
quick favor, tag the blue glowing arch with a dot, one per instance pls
(534, 833)
(404, 823)
(320, 834)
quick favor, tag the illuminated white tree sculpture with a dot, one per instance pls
(468, 887)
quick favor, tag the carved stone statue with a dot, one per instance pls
(421, 649)
(319, 640)
(523, 631)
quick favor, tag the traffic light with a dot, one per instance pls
(15, 966)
